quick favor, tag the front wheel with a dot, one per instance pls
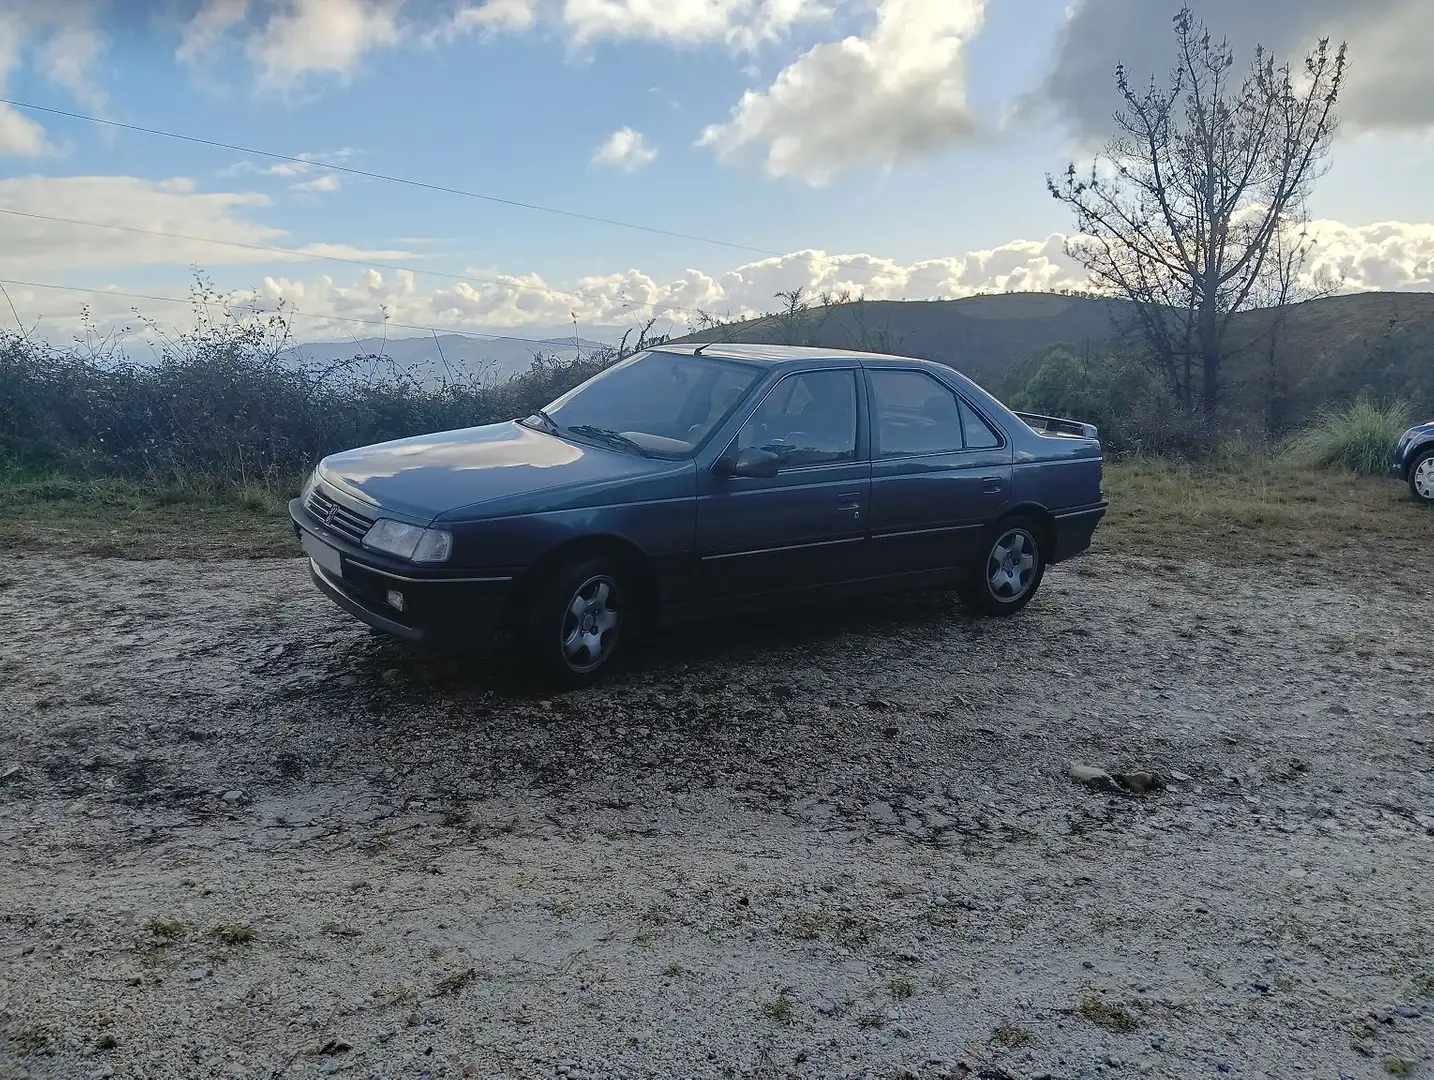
(577, 623)
(1007, 571)
(1421, 477)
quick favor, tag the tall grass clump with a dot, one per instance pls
(1359, 437)
(229, 406)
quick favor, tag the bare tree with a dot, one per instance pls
(1283, 288)
(1180, 210)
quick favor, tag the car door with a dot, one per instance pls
(940, 471)
(805, 527)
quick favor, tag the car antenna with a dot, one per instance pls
(751, 326)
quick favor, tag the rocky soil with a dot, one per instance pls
(241, 837)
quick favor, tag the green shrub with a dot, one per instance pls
(1133, 412)
(228, 406)
(1358, 437)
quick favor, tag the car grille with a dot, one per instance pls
(339, 518)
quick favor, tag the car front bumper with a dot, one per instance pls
(437, 607)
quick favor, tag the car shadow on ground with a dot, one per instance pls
(725, 644)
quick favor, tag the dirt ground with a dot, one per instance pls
(241, 837)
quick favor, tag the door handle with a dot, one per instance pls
(991, 483)
(850, 501)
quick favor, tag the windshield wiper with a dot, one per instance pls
(609, 436)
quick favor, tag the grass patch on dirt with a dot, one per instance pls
(235, 933)
(1256, 509)
(129, 519)
(779, 1009)
(1013, 1036)
(165, 928)
(1103, 1014)
(1240, 507)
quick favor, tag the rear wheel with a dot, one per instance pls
(578, 622)
(1008, 569)
(1421, 477)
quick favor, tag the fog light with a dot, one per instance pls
(395, 600)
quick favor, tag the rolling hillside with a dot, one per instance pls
(1332, 349)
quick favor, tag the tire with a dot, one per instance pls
(1421, 477)
(579, 624)
(1007, 570)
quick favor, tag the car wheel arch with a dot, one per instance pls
(1038, 516)
(626, 554)
(1415, 454)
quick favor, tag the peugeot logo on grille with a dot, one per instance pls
(329, 515)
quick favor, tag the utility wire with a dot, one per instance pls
(365, 263)
(444, 189)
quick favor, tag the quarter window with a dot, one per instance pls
(979, 434)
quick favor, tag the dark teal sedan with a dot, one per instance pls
(695, 481)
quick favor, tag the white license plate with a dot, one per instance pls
(325, 557)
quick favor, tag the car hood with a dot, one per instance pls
(444, 474)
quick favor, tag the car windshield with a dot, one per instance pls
(656, 403)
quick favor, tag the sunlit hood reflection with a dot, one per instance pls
(432, 474)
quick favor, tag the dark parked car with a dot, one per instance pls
(1413, 461)
(691, 481)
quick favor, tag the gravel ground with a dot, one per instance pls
(239, 836)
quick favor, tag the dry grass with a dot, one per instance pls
(235, 933)
(1245, 508)
(1013, 1036)
(132, 520)
(1258, 510)
(1103, 1014)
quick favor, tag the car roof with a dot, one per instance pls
(777, 354)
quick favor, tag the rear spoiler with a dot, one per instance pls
(1054, 425)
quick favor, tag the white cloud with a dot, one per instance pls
(896, 94)
(304, 164)
(624, 149)
(20, 136)
(742, 23)
(68, 55)
(66, 41)
(327, 182)
(1387, 255)
(492, 16)
(37, 249)
(208, 26)
(321, 37)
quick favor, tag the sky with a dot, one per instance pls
(731, 149)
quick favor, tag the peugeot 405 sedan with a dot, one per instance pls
(690, 481)
(1413, 461)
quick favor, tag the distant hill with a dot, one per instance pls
(428, 358)
(981, 336)
(1332, 349)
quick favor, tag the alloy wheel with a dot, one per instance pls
(591, 624)
(1011, 567)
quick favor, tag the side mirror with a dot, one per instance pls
(751, 462)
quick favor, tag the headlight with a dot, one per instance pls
(308, 487)
(409, 542)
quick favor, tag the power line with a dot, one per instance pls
(349, 170)
(365, 263)
(551, 343)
